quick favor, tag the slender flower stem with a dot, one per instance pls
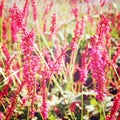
(82, 102)
(28, 113)
(2, 4)
(54, 80)
(72, 63)
(47, 45)
(103, 109)
(38, 35)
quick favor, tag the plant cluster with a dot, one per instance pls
(60, 60)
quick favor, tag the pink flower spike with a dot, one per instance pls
(47, 9)
(98, 72)
(1, 7)
(26, 10)
(4, 27)
(44, 107)
(78, 32)
(75, 11)
(34, 5)
(45, 26)
(103, 29)
(53, 28)
(17, 21)
(102, 3)
(115, 108)
(87, 1)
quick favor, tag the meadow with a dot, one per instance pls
(60, 60)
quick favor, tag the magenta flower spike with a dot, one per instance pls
(114, 109)
(53, 28)
(34, 5)
(17, 21)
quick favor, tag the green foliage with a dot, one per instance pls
(94, 102)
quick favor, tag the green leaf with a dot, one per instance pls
(114, 33)
(69, 38)
(93, 102)
(51, 117)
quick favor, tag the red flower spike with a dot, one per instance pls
(1, 64)
(74, 105)
(47, 9)
(117, 54)
(8, 61)
(45, 26)
(103, 29)
(44, 107)
(53, 28)
(1, 7)
(31, 66)
(17, 21)
(26, 10)
(34, 5)
(4, 27)
(80, 25)
(75, 11)
(83, 69)
(98, 59)
(56, 109)
(98, 67)
(102, 3)
(87, 1)
(115, 108)
(74, 2)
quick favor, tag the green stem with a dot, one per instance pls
(102, 111)
(28, 113)
(72, 64)
(38, 35)
(82, 103)
(54, 80)
(99, 109)
(44, 40)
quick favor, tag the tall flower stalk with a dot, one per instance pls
(83, 68)
(78, 32)
(98, 72)
(44, 107)
(6, 88)
(27, 46)
(7, 70)
(115, 108)
(53, 28)
(1, 17)
(98, 62)
(17, 21)
(35, 13)
(26, 11)
(39, 84)
(29, 70)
